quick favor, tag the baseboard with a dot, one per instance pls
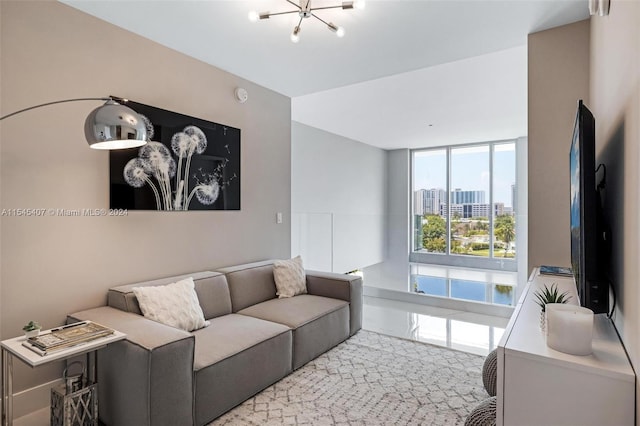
(33, 399)
(439, 302)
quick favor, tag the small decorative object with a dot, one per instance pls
(484, 414)
(549, 295)
(32, 329)
(74, 402)
(490, 372)
(569, 328)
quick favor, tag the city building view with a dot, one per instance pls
(477, 216)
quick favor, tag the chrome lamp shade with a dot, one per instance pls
(114, 126)
(110, 126)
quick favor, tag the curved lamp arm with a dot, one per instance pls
(53, 103)
(110, 126)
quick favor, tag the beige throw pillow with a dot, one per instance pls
(290, 277)
(174, 304)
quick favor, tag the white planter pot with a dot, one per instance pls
(32, 333)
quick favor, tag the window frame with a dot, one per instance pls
(454, 259)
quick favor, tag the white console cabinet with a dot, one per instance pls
(540, 386)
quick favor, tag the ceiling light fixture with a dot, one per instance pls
(304, 10)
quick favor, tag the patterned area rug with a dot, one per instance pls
(371, 379)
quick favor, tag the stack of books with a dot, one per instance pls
(562, 271)
(66, 336)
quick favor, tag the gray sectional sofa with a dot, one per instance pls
(162, 375)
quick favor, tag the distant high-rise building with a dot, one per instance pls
(418, 202)
(458, 196)
(433, 198)
(468, 211)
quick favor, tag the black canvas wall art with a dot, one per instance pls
(188, 164)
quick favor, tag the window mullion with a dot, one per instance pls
(448, 233)
(491, 207)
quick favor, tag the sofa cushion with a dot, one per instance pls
(318, 323)
(214, 297)
(289, 277)
(211, 288)
(294, 311)
(236, 357)
(229, 335)
(174, 304)
(250, 284)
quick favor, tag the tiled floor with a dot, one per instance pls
(465, 331)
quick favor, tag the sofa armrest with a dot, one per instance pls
(146, 379)
(339, 286)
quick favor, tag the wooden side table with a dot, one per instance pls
(12, 348)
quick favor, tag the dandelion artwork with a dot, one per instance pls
(188, 164)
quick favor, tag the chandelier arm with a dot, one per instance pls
(53, 103)
(296, 5)
(300, 22)
(284, 13)
(327, 7)
(320, 19)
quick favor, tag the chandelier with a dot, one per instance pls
(304, 10)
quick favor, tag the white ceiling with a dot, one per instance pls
(483, 98)
(469, 98)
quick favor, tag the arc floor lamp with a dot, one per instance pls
(110, 126)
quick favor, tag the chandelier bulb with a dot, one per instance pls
(254, 16)
(294, 35)
(336, 29)
(359, 4)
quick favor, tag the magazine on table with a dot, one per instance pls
(562, 271)
(66, 336)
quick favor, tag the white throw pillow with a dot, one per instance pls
(173, 304)
(290, 277)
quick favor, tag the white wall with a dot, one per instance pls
(338, 198)
(52, 266)
(615, 103)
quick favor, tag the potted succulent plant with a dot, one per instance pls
(549, 295)
(32, 329)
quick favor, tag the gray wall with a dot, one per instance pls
(558, 77)
(398, 207)
(615, 103)
(338, 198)
(392, 274)
(51, 266)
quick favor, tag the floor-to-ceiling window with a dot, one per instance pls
(463, 205)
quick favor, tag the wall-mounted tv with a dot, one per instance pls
(588, 249)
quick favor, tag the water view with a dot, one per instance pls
(500, 294)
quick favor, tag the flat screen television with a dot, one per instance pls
(588, 254)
